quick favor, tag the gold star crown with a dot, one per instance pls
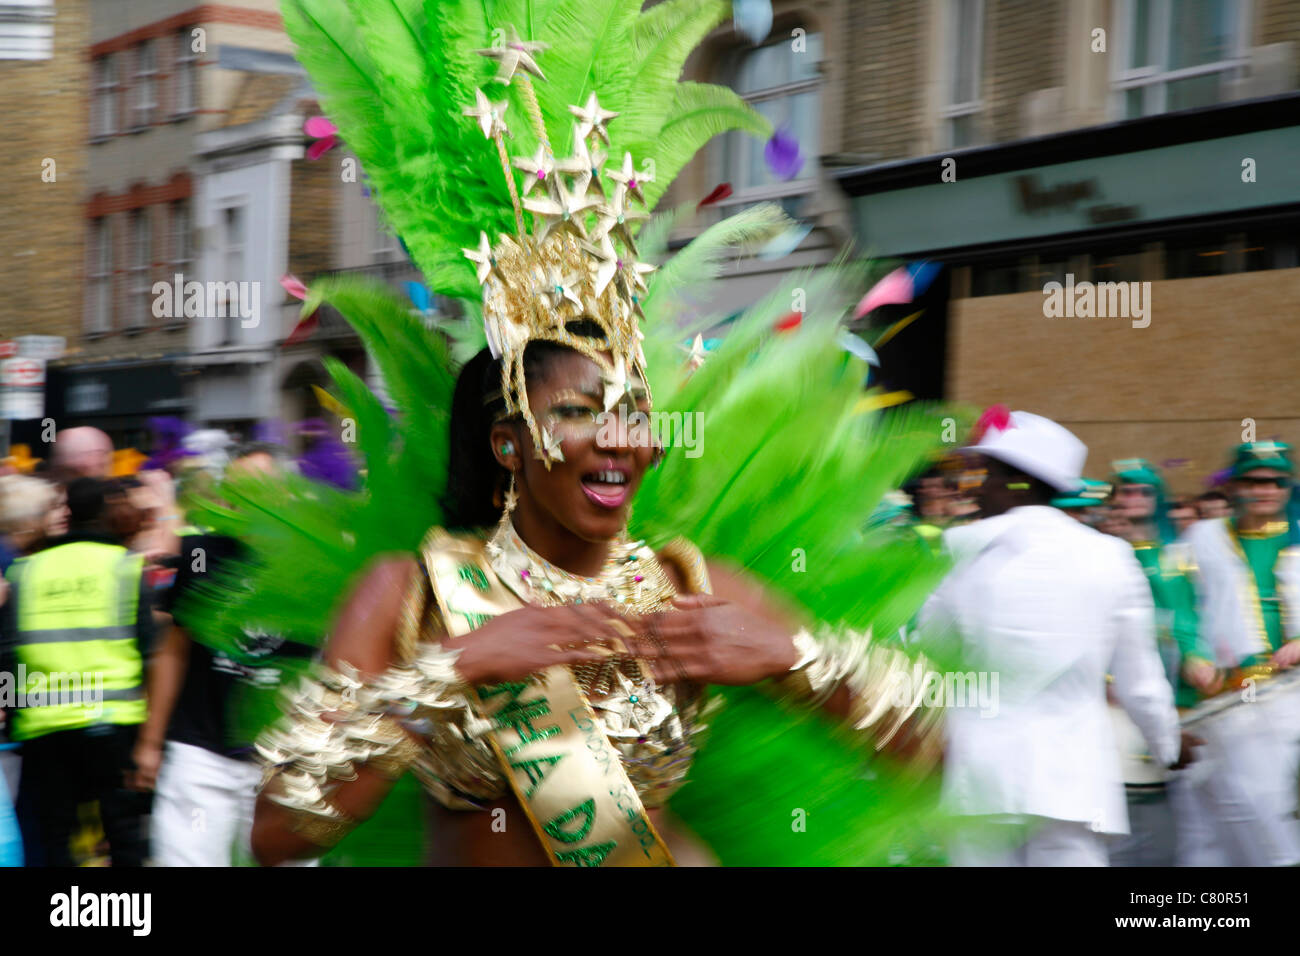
(578, 263)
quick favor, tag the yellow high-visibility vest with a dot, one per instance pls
(76, 650)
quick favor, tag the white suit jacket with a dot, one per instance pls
(1051, 606)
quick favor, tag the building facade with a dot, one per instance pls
(1036, 149)
(161, 74)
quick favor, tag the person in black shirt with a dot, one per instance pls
(190, 753)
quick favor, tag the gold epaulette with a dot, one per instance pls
(689, 561)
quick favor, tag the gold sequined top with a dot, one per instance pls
(654, 728)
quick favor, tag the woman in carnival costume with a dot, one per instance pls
(542, 658)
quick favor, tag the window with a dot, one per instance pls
(181, 251)
(26, 29)
(183, 80)
(965, 61)
(785, 86)
(1122, 263)
(1176, 55)
(231, 223)
(383, 241)
(145, 89)
(104, 122)
(139, 303)
(1270, 249)
(1185, 256)
(99, 272)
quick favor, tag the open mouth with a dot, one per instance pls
(607, 488)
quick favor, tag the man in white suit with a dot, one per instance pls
(1053, 607)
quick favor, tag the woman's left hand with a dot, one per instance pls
(709, 640)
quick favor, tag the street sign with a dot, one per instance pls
(22, 388)
(22, 372)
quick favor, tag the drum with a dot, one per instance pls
(1138, 768)
(1252, 736)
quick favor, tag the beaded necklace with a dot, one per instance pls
(630, 581)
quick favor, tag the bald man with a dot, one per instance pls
(84, 452)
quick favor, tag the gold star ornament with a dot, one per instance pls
(488, 114)
(559, 211)
(592, 119)
(628, 179)
(551, 446)
(482, 257)
(536, 169)
(584, 166)
(514, 55)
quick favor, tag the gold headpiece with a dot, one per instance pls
(580, 260)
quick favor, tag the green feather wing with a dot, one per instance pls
(312, 539)
(780, 476)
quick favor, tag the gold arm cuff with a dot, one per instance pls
(887, 688)
(335, 724)
(689, 560)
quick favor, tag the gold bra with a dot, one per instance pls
(653, 728)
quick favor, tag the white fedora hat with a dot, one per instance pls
(1039, 447)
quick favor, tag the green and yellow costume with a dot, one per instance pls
(794, 474)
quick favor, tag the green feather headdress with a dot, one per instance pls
(398, 78)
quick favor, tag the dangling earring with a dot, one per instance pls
(508, 448)
(511, 498)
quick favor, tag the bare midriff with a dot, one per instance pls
(490, 838)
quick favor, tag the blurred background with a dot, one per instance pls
(1105, 139)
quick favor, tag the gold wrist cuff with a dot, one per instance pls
(322, 831)
(886, 686)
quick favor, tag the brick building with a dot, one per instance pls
(1101, 139)
(43, 79)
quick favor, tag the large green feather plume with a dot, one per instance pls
(395, 75)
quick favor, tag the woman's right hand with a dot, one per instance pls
(531, 639)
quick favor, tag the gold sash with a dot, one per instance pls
(568, 777)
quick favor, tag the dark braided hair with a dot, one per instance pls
(475, 480)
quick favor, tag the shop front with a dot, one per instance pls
(1174, 240)
(116, 398)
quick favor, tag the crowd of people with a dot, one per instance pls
(1204, 640)
(115, 725)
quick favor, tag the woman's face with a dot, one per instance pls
(56, 519)
(606, 454)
